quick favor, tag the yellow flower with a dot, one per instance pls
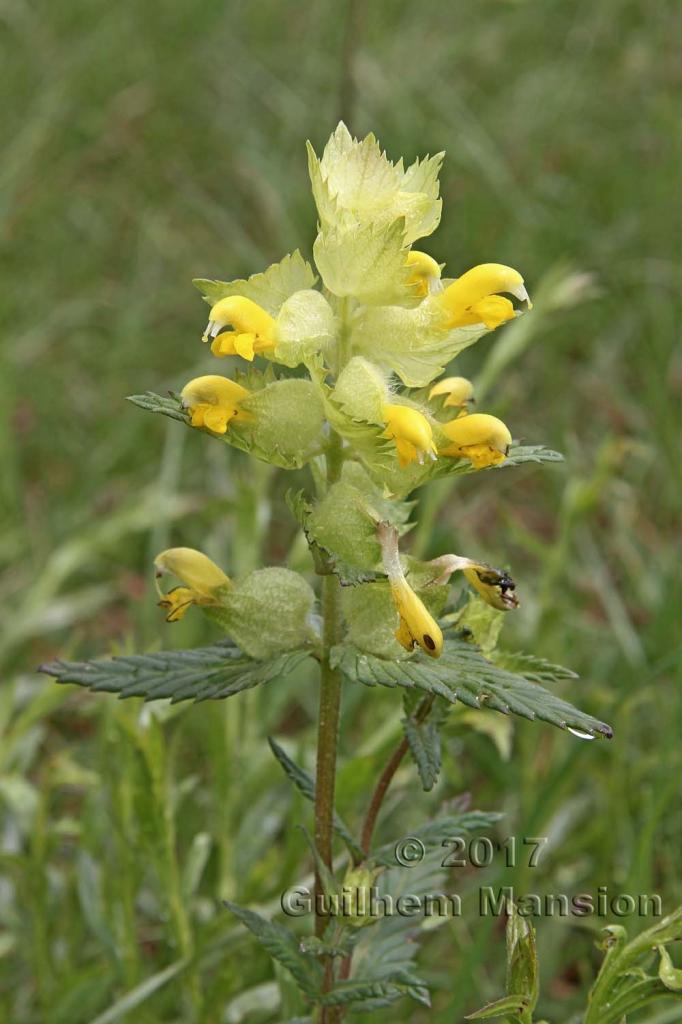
(473, 298)
(459, 392)
(411, 432)
(213, 402)
(202, 580)
(495, 586)
(253, 330)
(416, 626)
(482, 439)
(425, 276)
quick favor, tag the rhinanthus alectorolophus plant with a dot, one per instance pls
(365, 338)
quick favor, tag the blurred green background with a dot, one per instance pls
(147, 143)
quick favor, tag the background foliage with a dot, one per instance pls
(146, 144)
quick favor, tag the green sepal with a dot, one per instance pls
(267, 612)
(372, 619)
(269, 289)
(305, 326)
(361, 390)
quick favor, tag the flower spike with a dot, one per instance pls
(474, 297)
(495, 586)
(411, 432)
(417, 627)
(213, 402)
(425, 276)
(253, 330)
(202, 580)
(481, 438)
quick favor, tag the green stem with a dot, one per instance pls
(330, 702)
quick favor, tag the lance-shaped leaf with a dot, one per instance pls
(270, 289)
(305, 784)
(462, 673)
(204, 673)
(283, 946)
(433, 833)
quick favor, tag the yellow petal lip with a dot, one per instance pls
(214, 401)
(193, 568)
(411, 432)
(481, 438)
(252, 329)
(475, 296)
(458, 390)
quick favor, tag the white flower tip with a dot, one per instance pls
(522, 295)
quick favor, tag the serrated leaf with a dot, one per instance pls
(500, 1008)
(270, 289)
(538, 670)
(305, 784)
(379, 991)
(424, 742)
(356, 182)
(366, 263)
(283, 946)
(434, 832)
(204, 673)
(410, 342)
(462, 673)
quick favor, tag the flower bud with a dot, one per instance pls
(213, 402)
(473, 298)
(253, 330)
(357, 896)
(481, 438)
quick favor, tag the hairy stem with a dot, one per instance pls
(330, 701)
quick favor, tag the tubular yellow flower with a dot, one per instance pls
(411, 432)
(253, 330)
(495, 586)
(213, 402)
(425, 276)
(474, 297)
(459, 392)
(201, 579)
(482, 439)
(416, 627)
